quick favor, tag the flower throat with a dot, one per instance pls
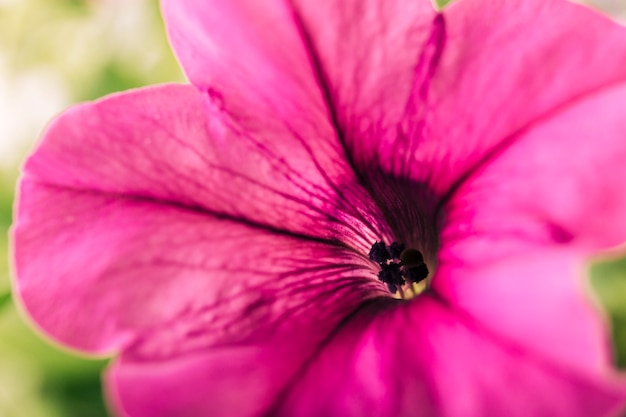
(400, 267)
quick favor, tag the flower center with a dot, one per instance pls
(402, 269)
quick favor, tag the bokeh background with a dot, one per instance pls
(57, 52)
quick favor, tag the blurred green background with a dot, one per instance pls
(53, 54)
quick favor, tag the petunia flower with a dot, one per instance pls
(233, 242)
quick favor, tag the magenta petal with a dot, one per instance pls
(289, 58)
(145, 213)
(312, 68)
(436, 95)
(250, 55)
(368, 55)
(421, 359)
(102, 272)
(237, 381)
(506, 64)
(170, 145)
(243, 380)
(521, 230)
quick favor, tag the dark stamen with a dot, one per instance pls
(379, 252)
(395, 249)
(411, 258)
(407, 264)
(390, 273)
(416, 274)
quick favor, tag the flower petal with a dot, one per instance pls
(520, 230)
(507, 64)
(419, 358)
(368, 57)
(423, 359)
(307, 64)
(103, 272)
(371, 57)
(237, 381)
(288, 58)
(433, 96)
(416, 94)
(141, 210)
(169, 144)
(249, 56)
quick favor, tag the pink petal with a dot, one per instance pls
(416, 94)
(505, 65)
(234, 381)
(369, 54)
(313, 63)
(140, 214)
(414, 359)
(375, 59)
(102, 272)
(288, 59)
(250, 56)
(520, 231)
(167, 144)
(423, 359)
(429, 97)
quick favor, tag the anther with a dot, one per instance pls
(395, 249)
(398, 265)
(379, 252)
(391, 274)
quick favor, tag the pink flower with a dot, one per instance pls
(216, 237)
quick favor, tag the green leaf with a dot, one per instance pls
(608, 280)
